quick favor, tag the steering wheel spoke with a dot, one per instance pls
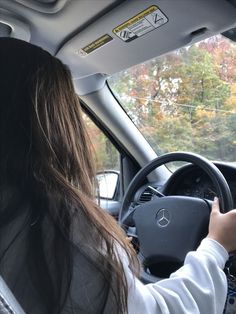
(127, 219)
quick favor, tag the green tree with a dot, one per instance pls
(201, 86)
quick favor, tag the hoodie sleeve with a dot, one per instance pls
(199, 287)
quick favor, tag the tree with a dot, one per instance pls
(185, 100)
(201, 86)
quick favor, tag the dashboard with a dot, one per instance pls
(190, 180)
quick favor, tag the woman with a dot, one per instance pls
(59, 252)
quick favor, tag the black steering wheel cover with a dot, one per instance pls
(221, 185)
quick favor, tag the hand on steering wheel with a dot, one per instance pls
(222, 227)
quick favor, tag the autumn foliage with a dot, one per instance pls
(185, 100)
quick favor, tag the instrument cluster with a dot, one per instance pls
(192, 181)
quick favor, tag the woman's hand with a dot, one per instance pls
(222, 227)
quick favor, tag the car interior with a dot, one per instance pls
(159, 191)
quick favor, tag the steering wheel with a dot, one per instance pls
(168, 227)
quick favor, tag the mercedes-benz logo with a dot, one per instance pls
(163, 217)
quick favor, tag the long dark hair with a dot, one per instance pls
(46, 157)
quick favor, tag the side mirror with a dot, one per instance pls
(107, 182)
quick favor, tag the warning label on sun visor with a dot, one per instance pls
(101, 41)
(141, 24)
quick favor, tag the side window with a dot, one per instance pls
(107, 161)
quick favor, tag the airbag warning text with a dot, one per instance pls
(141, 24)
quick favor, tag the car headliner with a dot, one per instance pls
(65, 26)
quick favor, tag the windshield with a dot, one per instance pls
(185, 100)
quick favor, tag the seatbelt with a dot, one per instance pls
(8, 303)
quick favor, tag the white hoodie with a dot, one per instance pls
(199, 286)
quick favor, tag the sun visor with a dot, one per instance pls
(131, 34)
